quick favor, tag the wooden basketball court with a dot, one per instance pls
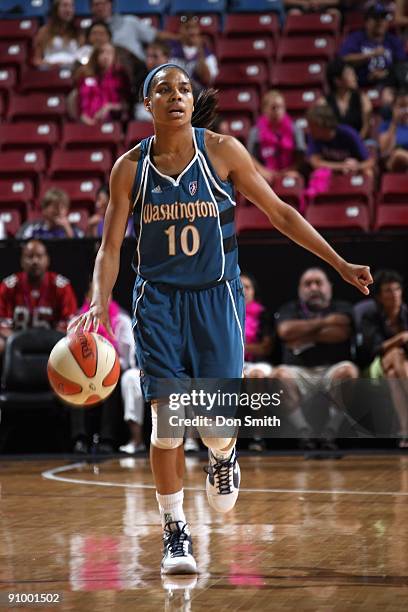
(305, 535)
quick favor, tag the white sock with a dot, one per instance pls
(171, 507)
(222, 454)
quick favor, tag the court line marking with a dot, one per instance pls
(53, 474)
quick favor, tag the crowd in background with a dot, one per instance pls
(340, 134)
(323, 342)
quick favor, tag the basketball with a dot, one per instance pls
(83, 368)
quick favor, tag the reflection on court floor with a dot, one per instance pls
(305, 535)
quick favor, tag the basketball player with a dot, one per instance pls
(188, 299)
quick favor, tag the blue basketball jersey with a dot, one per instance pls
(184, 226)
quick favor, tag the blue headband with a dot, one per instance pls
(153, 73)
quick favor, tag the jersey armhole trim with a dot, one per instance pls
(210, 166)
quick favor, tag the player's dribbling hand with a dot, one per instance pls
(95, 316)
(356, 275)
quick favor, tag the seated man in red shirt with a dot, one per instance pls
(35, 297)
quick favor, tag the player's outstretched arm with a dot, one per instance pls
(285, 218)
(108, 257)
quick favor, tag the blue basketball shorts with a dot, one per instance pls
(188, 333)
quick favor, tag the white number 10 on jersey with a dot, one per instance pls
(184, 240)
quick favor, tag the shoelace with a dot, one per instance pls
(175, 538)
(221, 473)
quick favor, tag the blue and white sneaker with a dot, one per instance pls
(222, 483)
(177, 549)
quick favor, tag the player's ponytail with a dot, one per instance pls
(205, 108)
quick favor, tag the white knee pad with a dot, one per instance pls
(164, 443)
(218, 443)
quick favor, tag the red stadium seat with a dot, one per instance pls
(22, 164)
(209, 25)
(391, 216)
(13, 54)
(79, 217)
(18, 29)
(290, 189)
(299, 100)
(394, 189)
(353, 189)
(2, 105)
(80, 136)
(246, 73)
(299, 74)
(253, 48)
(259, 24)
(250, 218)
(137, 131)
(305, 48)
(18, 193)
(11, 219)
(244, 101)
(8, 79)
(36, 106)
(55, 80)
(42, 135)
(312, 24)
(82, 193)
(237, 126)
(80, 163)
(339, 217)
(121, 150)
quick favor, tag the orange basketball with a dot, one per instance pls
(83, 368)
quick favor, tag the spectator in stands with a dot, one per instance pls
(274, 140)
(385, 331)
(57, 42)
(192, 54)
(258, 342)
(103, 87)
(122, 340)
(128, 31)
(315, 332)
(258, 335)
(335, 147)
(373, 51)
(96, 35)
(157, 53)
(130, 387)
(393, 135)
(95, 223)
(350, 105)
(296, 7)
(54, 221)
(35, 297)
